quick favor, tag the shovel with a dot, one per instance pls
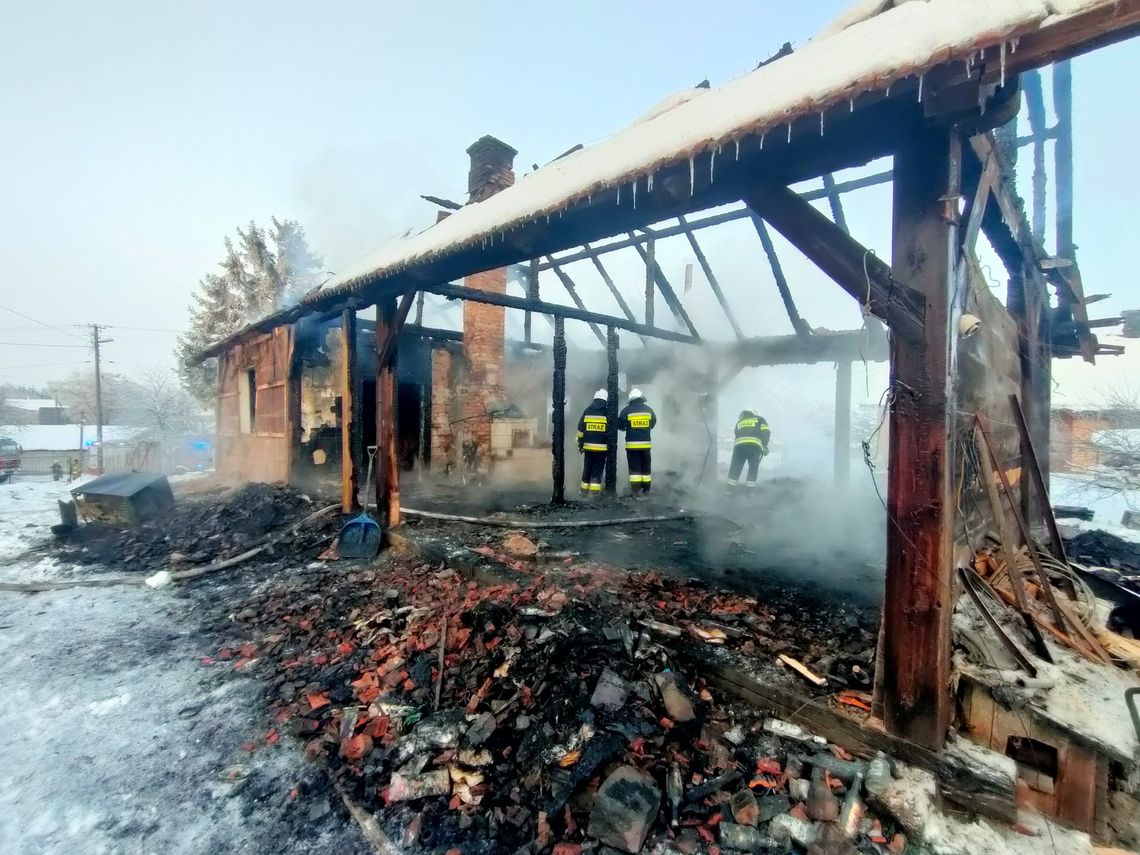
(361, 535)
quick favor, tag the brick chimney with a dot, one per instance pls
(484, 327)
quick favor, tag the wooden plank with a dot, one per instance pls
(970, 586)
(965, 784)
(1029, 458)
(853, 267)
(977, 205)
(1079, 774)
(349, 478)
(1008, 545)
(918, 600)
(650, 256)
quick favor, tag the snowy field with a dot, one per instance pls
(1108, 506)
(115, 735)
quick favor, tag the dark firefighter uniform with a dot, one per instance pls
(751, 445)
(592, 433)
(637, 421)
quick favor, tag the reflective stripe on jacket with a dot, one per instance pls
(637, 420)
(751, 429)
(592, 427)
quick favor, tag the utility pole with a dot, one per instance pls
(95, 342)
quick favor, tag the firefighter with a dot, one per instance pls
(636, 421)
(56, 470)
(751, 447)
(593, 429)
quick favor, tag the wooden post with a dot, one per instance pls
(918, 601)
(611, 409)
(387, 465)
(558, 414)
(842, 423)
(349, 480)
(293, 402)
(650, 281)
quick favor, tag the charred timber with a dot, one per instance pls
(558, 414)
(454, 292)
(857, 270)
(611, 409)
(798, 323)
(712, 280)
(671, 299)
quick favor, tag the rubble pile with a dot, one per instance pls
(1104, 550)
(559, 720)
(197, 531)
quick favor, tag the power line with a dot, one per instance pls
(42, 323)
(43, 365)
(37, 344)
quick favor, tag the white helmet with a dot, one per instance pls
(603, 394)
(634, 394)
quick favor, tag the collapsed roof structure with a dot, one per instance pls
(943, 76)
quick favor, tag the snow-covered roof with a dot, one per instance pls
(32, 404)
(875, 44)
(65, 437)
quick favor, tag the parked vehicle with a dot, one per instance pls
(10, 452)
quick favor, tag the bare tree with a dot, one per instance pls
(159, 403)
(1106, 448)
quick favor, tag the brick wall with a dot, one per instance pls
(442, 409)
(484, 327)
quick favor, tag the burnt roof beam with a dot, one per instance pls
(856, 269)
(713, 283)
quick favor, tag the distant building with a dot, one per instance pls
(1078, 436)
(44, 444)
(32, 411)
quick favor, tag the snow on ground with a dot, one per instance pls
(115, 733)
(1108, 506)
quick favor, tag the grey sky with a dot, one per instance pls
(134, 136)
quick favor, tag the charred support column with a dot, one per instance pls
(611, 409)
(842, 423)
(293, 402)
(349, 480)
(558, 415)
(1029, 311)
(915, 643)
(387, 473)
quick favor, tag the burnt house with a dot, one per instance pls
(936, 97)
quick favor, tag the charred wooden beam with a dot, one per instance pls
(558, 414)
(835, 201)
(454, 292)
(853, 267)
(662, 232)
(387, 472)
(918, 601)
(349, 424)
(976, 204)
(798, 323)
(605, 274)
(713, 283)
(572, 290)
(1035, 105)
(1076, 34)
(611, 409)
(845, 346)
(671, 300)
(842, 423)
(650, 257)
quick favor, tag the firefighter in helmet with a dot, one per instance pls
(750, 447)
(637, 421)
(593, 432)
